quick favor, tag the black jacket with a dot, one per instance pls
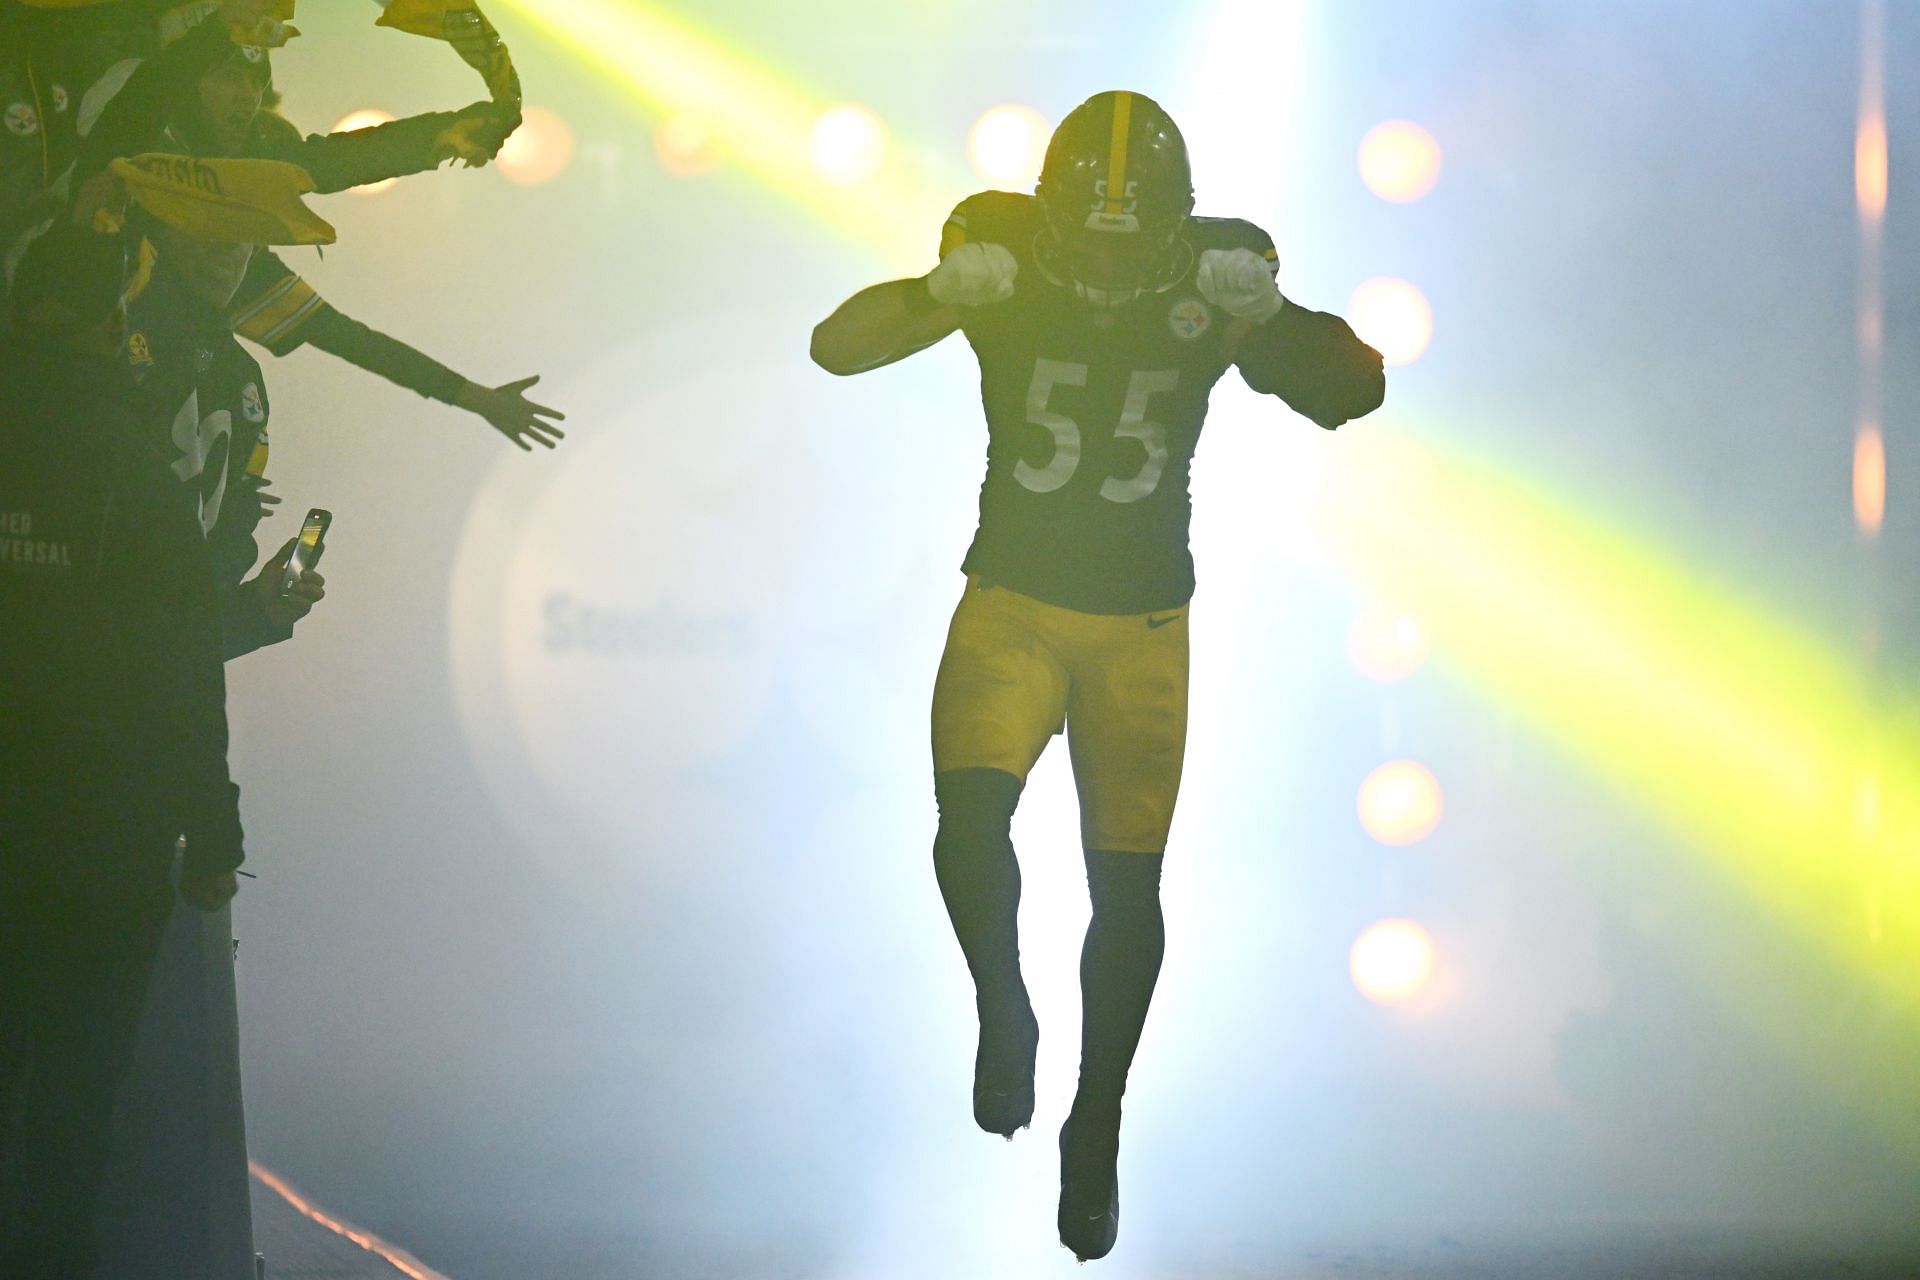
(113, 727)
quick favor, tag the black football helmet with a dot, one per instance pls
(1115, 192)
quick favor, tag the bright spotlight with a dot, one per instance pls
(1391, 961)
(849, 143)
(1007, 144)
(1399, 161)
(1386, 644)
(1870, 164)
(1400, 802)
(365, 118)
(686, 146)
(539, 150)
(1392, 316)
(1869, 480)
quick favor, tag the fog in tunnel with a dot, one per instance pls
(595, 930)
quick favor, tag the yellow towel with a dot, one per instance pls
(461, 24)
(253, 201)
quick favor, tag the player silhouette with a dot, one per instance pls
(1102, 313)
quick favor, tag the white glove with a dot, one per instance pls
(1239, 282)
(973, 275)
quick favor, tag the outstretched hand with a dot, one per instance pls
(508, 410)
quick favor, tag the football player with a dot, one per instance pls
(1102, 312)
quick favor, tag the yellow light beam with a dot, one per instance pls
(757, 116)
(1743, 732)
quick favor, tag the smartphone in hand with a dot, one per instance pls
(307, 548)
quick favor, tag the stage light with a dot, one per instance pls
(1392, 316)
(539, 150)
(1007, 144)
(1870, 164)
(848, 144)
(1391, 961)
(1869, 480)
(1399, 161)
(760, 115)
(365, 118)
(1400, 803)
(1740, 729)
(686, 147)
(1387, 645)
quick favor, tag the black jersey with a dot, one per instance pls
(204, 386)
(1093, 415)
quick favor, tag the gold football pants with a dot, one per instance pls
(1016, 671)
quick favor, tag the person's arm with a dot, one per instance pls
(273, 304)
(879, 325)
(1310, 359)
(1315, 362)
(244, 626)
(891, 321)
(505, 408)
(376, 352)
(416, 144)
(254, 614)
(281, 312)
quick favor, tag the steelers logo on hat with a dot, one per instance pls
(1189, 319)
(22, 120)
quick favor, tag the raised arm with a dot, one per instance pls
(891, 321)
(281, 312)
(1315, 362)
(396, 149)
(1311, 359)
(881, 324)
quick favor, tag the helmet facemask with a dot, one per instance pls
(1111, 268)
(1115, 193)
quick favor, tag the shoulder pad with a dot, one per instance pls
(996, 217)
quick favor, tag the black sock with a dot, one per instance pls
(1118, 967)
(980, 880)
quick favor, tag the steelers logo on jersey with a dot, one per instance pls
(22, 120)
(250, 405)
(58, 94)
(1189, 319)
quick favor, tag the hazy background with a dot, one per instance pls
(595, 930)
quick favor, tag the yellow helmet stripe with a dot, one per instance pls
(1117, 157)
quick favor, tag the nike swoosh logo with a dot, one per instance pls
(1161, 622)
